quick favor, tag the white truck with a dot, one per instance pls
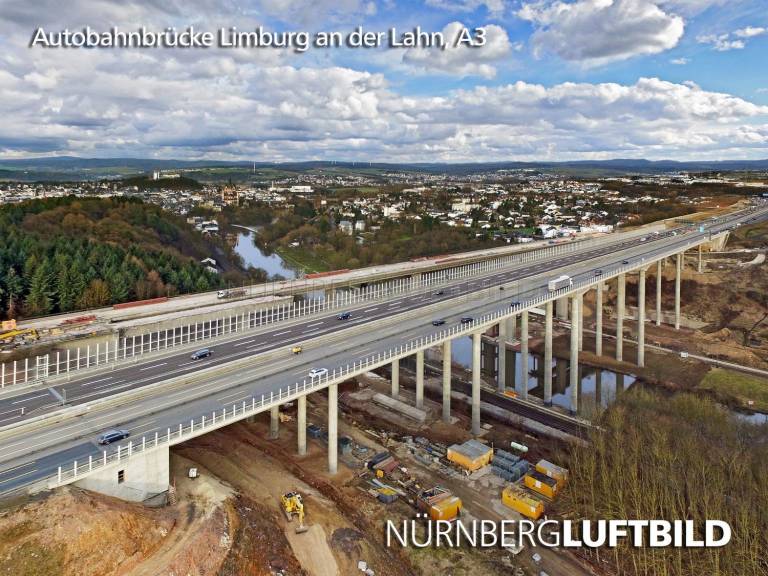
(237, 292)
(560, 282)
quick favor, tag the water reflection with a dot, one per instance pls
(597, 387)
(252, 255)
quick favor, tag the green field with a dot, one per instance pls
(303, 259)
(737, 387)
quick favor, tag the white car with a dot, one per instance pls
(317, 372)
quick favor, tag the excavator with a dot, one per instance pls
(6, 337)
(293, 504)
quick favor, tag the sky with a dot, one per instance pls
(555, 80)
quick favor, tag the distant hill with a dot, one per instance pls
(73, 168)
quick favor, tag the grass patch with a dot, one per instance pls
(736, 387)
(304, 259)
(33, 559)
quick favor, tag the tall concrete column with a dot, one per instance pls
(524, 355)
(548, 355)
(476, 341)
(333, 428)
(420, 379)
(641, 319)
(301, 422)
(700, 262)
(581, 321)
(678, 274)
(395, 378)
(501, 373)
(599, 319)
(512, 327)
(447, 381)
(274, 422)
(574, 380)
(658, 293)
(620, 306)
(562, 308)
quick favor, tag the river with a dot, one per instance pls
(252, 255)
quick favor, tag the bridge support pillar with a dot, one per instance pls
(574, 380)
(678, 274)
(524, 355)
(562, 308)
(395, 378)
(512, 327)
(700, 268)
(599, 319)
(477, 339)
(447, 381)
(658, 293)
(274, 422)
(641, 319)
(420, 379)
(620, 308)
(333, 428)
(581, 322)
(548, 355)
(135, 479)
(301, 422)
(501, 373)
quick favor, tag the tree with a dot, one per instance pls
(41, 291)
(96, 295)
(14, 288)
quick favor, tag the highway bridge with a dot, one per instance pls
(53, 410)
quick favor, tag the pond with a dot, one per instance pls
(252, 255)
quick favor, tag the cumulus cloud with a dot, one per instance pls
(750, 31)
(494, 7)
(679, 61)
(595, 32)
(731, 41)
(462, 60)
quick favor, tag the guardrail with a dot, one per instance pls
(209, 421)
(129, 349)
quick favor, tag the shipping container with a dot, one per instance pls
(446, 509)
(553, 471)
(517, 499)
(542, 484)
(472, 455)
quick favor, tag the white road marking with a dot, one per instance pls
(18, 476)
(235, 346)
(281, 333)
(96, 381)
(107, 385)
(315, 324)
(371, 309)
(153, 366)
(141, 426)
(30, 398)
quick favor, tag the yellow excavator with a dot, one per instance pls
(293, 504)
(9, 336)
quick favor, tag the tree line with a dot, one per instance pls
(65, 254)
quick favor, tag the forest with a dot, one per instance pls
(680, 457)
(64, 254)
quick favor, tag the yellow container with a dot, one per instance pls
(542, 484)
(553, 471)
(446, 509)
(472, 455)
(517, 499)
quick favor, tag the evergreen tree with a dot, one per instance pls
(41, 291)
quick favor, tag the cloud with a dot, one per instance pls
(680, 61)
(462, 60)
(595, 32)
(726, 42)
(494, 7)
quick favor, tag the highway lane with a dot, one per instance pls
(102, 384)
(43, 457)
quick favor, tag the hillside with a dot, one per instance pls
(63, 254)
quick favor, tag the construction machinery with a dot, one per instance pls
(20, 333)
(293, 504)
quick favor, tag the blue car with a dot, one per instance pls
(200, 354)
(113, 436)
(344, 316)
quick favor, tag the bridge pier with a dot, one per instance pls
(512, 327)
(447, 381)
(620, 308)
(678, 273)
(574, 381)
(420, 379)
(641, 319)
(658, 292)
(548, 355)
(333, 428)
(599, 319)
(301, 423)
(274, 422)
(477, 339)
(562, 308)
(142, 476)
(395, 378)
(524, 355)
(501, 373)
(700, 267)
(581, 321)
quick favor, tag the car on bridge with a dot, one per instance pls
(297, 349)
(598, 272)
(344, 316)
(317, 372)
(467, 319)
(114, 435)
(438, 322)
(439, 292)
(200, 354)
(514, 303)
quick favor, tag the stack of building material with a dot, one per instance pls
(508, 466)
(472, 455)
(383, 461)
